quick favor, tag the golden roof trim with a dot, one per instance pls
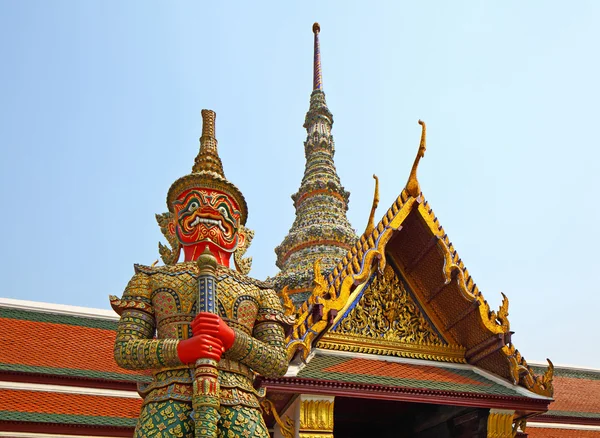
(360, 344)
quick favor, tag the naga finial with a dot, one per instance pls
(371, 223)
(317, 77)
(412, 186)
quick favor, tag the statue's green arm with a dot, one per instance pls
(135, 348)
(264, 351)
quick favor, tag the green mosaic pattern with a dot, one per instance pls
(87, 420)
(314, 370)
(70, 372)
(28, 315)
(573, 414)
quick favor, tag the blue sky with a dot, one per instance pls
(100, 113)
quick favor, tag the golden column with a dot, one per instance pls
(500, 424)
(315, 416)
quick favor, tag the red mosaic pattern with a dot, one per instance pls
(541, 432)
(401, 371)
(576, 395)
(70, 404)
(46, 344)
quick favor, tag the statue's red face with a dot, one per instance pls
(205, 215)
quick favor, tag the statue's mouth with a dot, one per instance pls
(207, 218)
(208, 221)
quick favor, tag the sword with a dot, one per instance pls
(205, 399)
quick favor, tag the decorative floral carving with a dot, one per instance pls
(387, 311)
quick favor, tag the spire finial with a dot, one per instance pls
(412, 186)
(208, 123)
(317, 79)
(208, 157)
(371, 223)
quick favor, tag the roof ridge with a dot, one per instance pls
(569, 367)
(67, 389)
(58, 309)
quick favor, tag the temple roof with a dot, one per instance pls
(448, 310)
(576, 410)
(58, 375)
(71, 346)
(43, 406)
(414, 376)
(73, 378)
(321, 230)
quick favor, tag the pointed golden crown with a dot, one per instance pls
(207, 171)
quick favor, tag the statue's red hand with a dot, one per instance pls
(199, 347)
(210, 324)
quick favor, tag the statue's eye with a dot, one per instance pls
(193, 206)
(223, 211)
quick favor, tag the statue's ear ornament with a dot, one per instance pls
(166, 222)
(243, 265)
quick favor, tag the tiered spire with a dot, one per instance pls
(321, 230)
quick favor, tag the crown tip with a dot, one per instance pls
(208, 122)
(316, 28)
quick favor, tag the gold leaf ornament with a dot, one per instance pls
(386, 311)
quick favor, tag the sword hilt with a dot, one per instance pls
(207, 282)
(205, 401)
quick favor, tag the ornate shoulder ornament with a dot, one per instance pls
(166, 222)
(242, 264)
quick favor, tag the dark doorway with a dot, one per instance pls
(359, 418)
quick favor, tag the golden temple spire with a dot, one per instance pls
(321, 230)
(371, 223)
(208, 157)
(317, 77)
(412, 186)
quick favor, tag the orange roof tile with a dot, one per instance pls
(44, 344)
(576, 395)
(401, 371)
(68, 404)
